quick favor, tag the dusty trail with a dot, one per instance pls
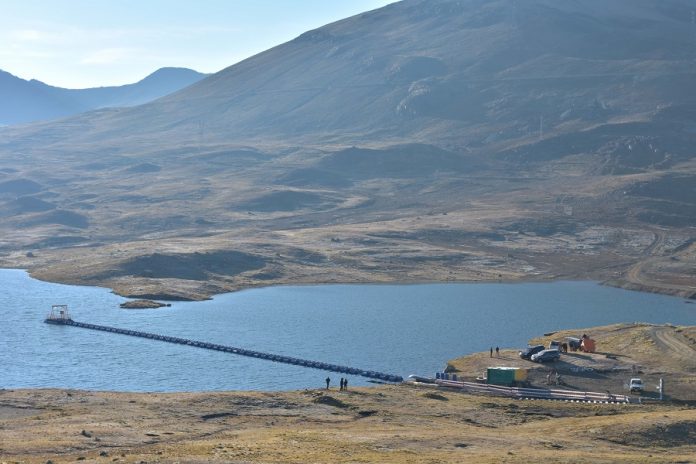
(679, 348)
(640, 273)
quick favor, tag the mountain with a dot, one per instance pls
(27, 101)
(438, 70)
(426, 140)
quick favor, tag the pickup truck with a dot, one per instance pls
(635, 385)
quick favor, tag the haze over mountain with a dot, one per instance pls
(429, 139)
(440, 69)
(27, 101)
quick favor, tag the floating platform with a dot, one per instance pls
(61, 317)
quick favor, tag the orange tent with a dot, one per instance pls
(587, 345)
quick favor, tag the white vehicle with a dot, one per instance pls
(635, 385)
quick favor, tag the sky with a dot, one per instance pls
(91, 43)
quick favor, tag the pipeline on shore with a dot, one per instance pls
(230, 349)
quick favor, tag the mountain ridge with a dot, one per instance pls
(410, 85)
(26, 101)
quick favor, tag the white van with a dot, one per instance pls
(635, 385)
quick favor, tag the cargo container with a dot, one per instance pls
(521, 375)
(507, 376)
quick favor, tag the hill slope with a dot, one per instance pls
(27, 101)
(440, 69)
(426, 140)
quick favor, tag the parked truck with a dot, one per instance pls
(635, 385)
(574, 343)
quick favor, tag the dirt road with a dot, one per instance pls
(676, 346)
(657, 271)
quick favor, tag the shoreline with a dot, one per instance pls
(385, 423)
(577, 289)
(625, 285)
(610, 350)
(470, 364)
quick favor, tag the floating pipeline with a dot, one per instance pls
(234, 350)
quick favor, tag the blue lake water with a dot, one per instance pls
(400, 329)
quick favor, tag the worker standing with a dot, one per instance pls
(328, 381)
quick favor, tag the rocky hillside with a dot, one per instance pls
(438, 139)
(469, 73)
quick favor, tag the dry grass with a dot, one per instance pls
(623, 351)
(504, 224)
(390, 424)
(403, 425)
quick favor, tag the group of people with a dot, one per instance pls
(497, 351)
(344, 383)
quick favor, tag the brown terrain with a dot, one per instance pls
(432, 140)
(398, 423)
(452, 229)
(647, 351)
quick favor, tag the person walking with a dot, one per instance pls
(328, 381)
(345, 384)
(491, 351)
(341, 382)
(497, 351)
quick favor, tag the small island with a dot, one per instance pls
(143, 304)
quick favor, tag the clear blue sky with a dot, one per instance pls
(86, 43)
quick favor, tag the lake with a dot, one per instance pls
(399, 329)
